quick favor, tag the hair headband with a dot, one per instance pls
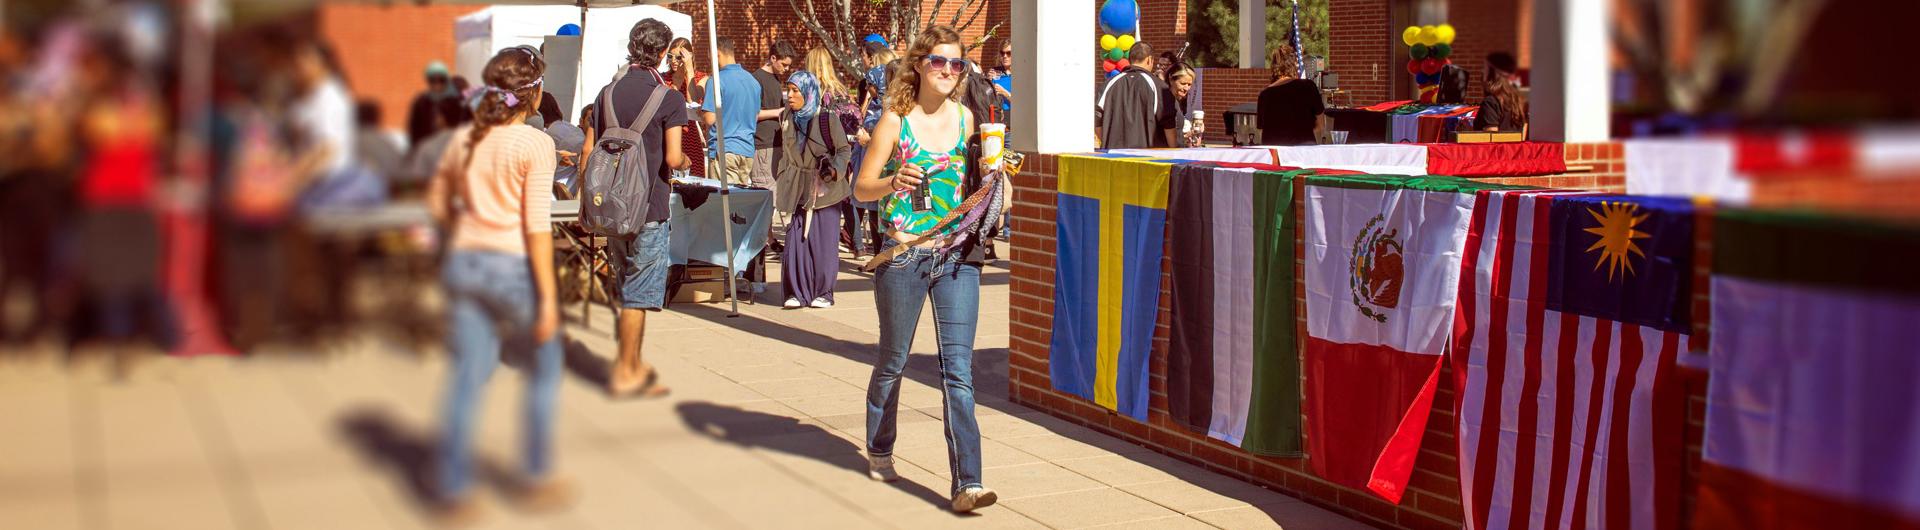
(511, 99)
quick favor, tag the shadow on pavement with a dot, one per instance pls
(989, 365)
(403, 451)
(751, 429)
(406, 452)
(586, 366)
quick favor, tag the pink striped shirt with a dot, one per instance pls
(509, 188)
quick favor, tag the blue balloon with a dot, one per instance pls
(569, 30)
(1111, 73)
(1119, 16)
(1425, 78)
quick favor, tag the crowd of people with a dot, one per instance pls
(874, 160)
(112, 171)
(899, 139)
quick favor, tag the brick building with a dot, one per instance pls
(384, 60)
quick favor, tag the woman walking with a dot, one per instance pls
(916, 162)
(492, 191)
(813, 184)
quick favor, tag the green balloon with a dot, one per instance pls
(1420, 51)
(1441, 51)
(1117, 54)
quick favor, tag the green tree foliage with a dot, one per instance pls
(1213, 28)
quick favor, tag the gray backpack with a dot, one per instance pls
(619, 178)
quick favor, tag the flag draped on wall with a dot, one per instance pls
(1573, 309)
(1810, 403)
(1232, 363)
(1382, 272)
(1111, 224)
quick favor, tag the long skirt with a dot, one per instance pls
(811, 261)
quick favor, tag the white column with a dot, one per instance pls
(1253, 33)
(1053, 98)
(1572, 93)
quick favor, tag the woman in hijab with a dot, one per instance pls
(811, 168)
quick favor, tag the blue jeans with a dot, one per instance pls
(901, 287)
(490, 295)
(643, 266)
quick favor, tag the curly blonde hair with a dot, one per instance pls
(904, 90)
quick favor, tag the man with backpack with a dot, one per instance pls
(624, 193)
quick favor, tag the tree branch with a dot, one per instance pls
(991, 32)
(970, 20)
(937, 4)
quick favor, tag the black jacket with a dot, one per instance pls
(1129, 110)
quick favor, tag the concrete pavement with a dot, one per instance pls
(763, 429)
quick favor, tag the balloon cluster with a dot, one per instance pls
(1430, 47)
(1117, 17)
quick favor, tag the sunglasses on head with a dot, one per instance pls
(952, 65)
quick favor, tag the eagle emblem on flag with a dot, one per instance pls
(1377, 270)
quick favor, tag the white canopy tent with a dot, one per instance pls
(589, 37)
(603, 49)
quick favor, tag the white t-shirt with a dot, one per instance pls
(324, 117)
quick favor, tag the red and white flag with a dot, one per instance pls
(1563, 350)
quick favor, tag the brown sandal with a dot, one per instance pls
(648, 388)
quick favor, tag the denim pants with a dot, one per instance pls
(901, 288)
(490, 296)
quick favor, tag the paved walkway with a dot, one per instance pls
(763, 429)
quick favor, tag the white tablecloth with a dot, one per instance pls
(1685, 166)
(1376, 159)
(1247, 155)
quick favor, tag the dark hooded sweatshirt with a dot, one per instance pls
(1129, 110)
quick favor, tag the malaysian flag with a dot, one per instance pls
(1573, 308)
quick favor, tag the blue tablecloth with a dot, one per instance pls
(697, 233)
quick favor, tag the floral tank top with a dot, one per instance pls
(943, 176)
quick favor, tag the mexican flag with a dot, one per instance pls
(1812, 416)
(1382, 273)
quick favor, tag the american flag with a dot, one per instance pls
(1569, 405)
(1293, 38)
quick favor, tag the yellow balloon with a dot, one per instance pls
(1107, 42)
(1411, 36)
(1429, 35)
(1444, 33)
(1126, 42)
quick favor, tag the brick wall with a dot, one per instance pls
(1365, 47)
(386, 62)
(1483, 26)
(1221, 89)
(1433, 500)
(1359, 47)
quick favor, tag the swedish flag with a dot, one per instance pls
(1111, 218)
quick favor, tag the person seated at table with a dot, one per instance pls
(1174, 128)
(1290, 108)
(1503, 109)
(811, 167)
